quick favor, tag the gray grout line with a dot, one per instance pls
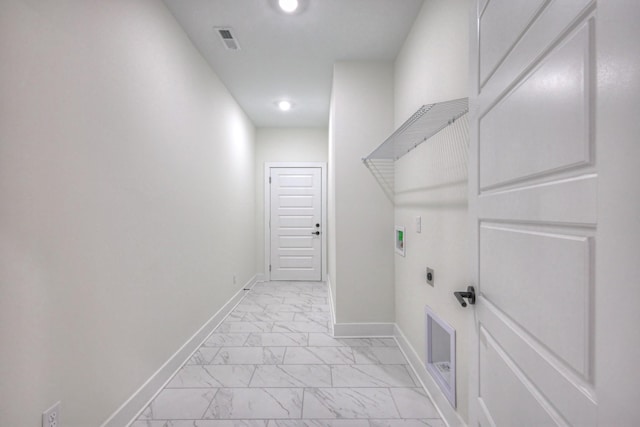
(214, 355)
(244, 343)
(255, 368)
(331, 372)
(394, 402)
(210, 403)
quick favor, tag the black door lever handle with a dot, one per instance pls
(470, 294)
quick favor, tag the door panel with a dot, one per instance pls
(296, 221)
(549, 29)
(570, 393)
(524, 270)
(299, 242)
(296, 261)
(300, 201)
(559, 201)
(547, 112)
(501, 381)
(534, 205)
(502, 23)
(295, 209)
(296, 181)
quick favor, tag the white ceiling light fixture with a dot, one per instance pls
(288, 6)
(284, 105)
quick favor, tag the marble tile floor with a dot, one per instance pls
(274, 363)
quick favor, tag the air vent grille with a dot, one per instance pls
(226, 34)
(229, 42)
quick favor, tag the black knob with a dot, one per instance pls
(317, 225)
(317, 233)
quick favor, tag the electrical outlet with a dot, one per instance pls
(418, 224)
(234, 279)
(51, 417)
(429, 276)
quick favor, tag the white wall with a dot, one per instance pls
(126, 202)
(431, 182)
(362, 216)
(283, 145)
(331, 204)
(432, 65)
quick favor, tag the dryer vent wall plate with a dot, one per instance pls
(440, 353)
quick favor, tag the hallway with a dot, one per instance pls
(273, 362)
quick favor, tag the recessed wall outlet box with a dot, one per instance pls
(400, 240)
(441, 354)
(418, 224)
(51, 417)
(429, 276)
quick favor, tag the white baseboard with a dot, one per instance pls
(356, 329)
(130, 410)
(259, 278)
(332, 309)
(363, 329)
(448, 414)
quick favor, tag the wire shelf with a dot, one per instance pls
(422, 125)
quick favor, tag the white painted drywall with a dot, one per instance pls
(331, 205)
(431, 182)
(283, 145)
(362, 216)
(126, 202)
(437, 45)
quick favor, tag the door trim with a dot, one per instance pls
(267, 212)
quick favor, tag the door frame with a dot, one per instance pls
(267, 212)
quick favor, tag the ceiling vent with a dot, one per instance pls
(230, 43)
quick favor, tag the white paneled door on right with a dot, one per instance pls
(555, 241)
(295, 223)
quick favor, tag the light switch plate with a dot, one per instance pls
(418, 224)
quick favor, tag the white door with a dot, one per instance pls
(296, 223)
(554, 150)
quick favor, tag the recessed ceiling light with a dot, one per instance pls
(284, 105)
(288, 6)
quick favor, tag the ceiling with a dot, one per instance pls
(291, 56)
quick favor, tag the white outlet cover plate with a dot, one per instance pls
(418, 224)
(51, 417)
